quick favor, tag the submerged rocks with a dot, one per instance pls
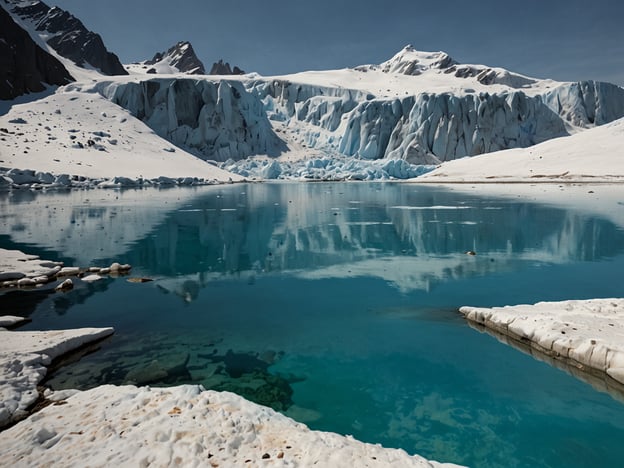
(171, 371)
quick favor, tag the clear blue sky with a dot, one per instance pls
(560, 39)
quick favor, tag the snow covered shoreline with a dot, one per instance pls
(24, 357)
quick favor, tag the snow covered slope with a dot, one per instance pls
(84, 134)
(594, 155)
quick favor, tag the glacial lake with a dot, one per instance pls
(335, 303)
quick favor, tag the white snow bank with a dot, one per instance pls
(588, 334)
(594, 155)
(84, 134)
(23, 357)
(182, 426)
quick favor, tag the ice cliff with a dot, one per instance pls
(429, 128)
(217, 120)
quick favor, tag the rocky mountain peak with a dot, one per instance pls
(180, 56)
(221, 68)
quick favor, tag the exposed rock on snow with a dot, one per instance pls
(217, 119)
(23, 360)
(67, 35)
(410, 61)
(24, 66)
(588, 334)
(183, 425)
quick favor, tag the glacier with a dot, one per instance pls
(215, 120)
(418, 107)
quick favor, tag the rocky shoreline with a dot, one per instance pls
(20, 270)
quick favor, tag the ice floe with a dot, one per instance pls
(588, 334)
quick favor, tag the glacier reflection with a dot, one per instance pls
(412, 237)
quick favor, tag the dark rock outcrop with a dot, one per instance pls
(220, 68)
(182, 56)
(68, 36)
(24, 66)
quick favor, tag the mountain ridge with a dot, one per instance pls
(19, 73)
(68, 36)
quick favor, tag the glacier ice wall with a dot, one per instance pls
(446, 127)
(587, 103)
(231, 119)
(218, 120)
(433, 127)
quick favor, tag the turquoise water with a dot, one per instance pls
(336, 304)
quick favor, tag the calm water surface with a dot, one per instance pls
(336, 304)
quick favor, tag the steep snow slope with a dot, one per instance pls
(596, 154)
